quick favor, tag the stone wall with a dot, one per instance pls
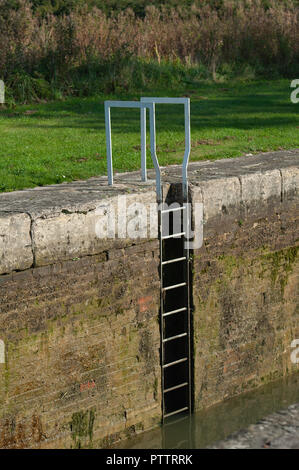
(79, 315)
(245, 291)
(82, 350)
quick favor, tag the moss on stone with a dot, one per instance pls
(81, 427)
(281, 265)
(230, 263)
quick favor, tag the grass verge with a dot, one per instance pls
(65, 140)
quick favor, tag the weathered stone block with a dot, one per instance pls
(260, 190)
(220, 197)
(69, 235)
(15, 242)
(290, 183)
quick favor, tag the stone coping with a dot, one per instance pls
(43, 225)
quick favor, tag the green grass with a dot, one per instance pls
(65, 140)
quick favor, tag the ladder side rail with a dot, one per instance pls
(186, 102)
(143, 143)
(187, 148)
(161, 311)
(152, 113)
(108, 143)
(188, 302)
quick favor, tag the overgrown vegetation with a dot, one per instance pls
(51, 49)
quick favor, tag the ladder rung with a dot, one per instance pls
(174, 260)
(174, 286)
(175, 362)
(174, 235)
(175, 412)
(181, 335)
(174, 209)
(170, 389)
(174, 311)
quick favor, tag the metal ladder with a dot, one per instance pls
(175, 320)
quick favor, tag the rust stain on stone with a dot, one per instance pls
(22, 434)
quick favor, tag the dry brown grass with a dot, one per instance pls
(242, 32)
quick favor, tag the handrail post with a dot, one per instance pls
(143, 143)
(108, 143)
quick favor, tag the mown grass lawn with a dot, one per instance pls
(64, 141)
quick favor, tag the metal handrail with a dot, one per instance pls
(149, 102)
(125, 104)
